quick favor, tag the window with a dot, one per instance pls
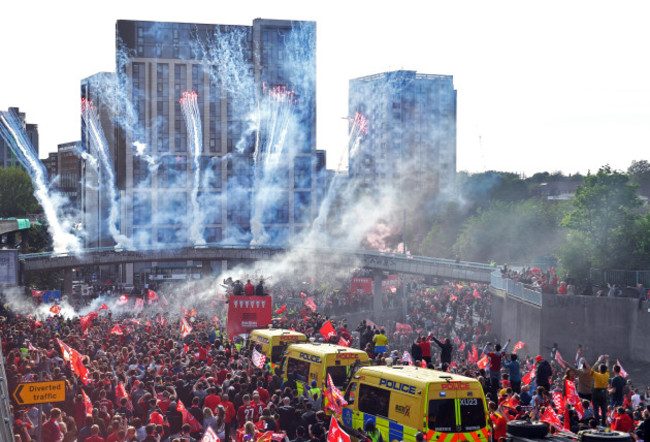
(375, 401)
(299, 368)
(351, 393)
(339, 374)
(472, 414)
(442, 416)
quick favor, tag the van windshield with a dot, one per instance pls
(339, 374)
(277, 352)
(442, 415)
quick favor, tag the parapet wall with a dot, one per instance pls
(614, 326)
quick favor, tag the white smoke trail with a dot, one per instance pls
(270, 156)
(12, 131)
(99, 144)
(192, 117)
(139, 149)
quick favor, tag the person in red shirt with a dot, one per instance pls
(50, 429)
(230, 414)
(105, 402)
(259, 406)
(249, 289)
(94, 435)
(262, 392)
(425, 346)
(222, 373)
(212, 400)
(622, 421)
(498, 422)
(246, 412)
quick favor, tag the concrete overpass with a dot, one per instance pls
(9, 225)
(380, 262)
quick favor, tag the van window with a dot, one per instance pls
(277, 352)
(300, 368)
(472, 414)
(339, 374)
(351, 393)
(442, 415)
(373, 400)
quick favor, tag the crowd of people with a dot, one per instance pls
(147, 381)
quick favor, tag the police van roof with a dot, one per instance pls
(410, 373)
(277, 332)
(324, 349)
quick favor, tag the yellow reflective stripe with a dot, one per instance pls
(382, 425)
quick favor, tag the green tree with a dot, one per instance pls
(604, 213)
(639, 172)
(16, 193)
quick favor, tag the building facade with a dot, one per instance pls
(7, 157)
(411, 133)
(253, 120)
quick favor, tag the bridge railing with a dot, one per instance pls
(515, 289)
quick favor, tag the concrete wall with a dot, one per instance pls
(613, 326)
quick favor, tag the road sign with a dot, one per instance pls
(39, 392)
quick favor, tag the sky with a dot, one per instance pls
(542, 86)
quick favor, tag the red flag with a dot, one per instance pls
(152, 296)
(558, 401)
(37, 293)
(117, 330)
(311, 304)
(482, 363)
(335, 399)
(572, 398)
(87, 403)
(474, 353)
(185, 328)
(528, 377)
(303, 294)
(423, 363)
(56, 309)
(210, 436)
(76, 363)
(139, 304)
(462, 346)
(403, 328)
(103, 307)
(336, 433)
(518, 346)
(188, 418)
(123, 300)
(476, 294)
(327, 330)
(120, 392)
(550, 417)
(558, 358)
(85, 320)
(281, 309)
(623, 372)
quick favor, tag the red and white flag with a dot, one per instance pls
(559, 359)
(518, 346)
(258, 359)
(623, 372)
(87, 403)
(550, 417)
(75, 359)
(152, 296)
(406, 357)
(164, 301)
(56, 309)
(344, 342)
(476, 294)
(336, 433)
(335, 399)
(188, 418)
(483, 362)
(185, 328)
(403, 328)
(123, 300)
(528, 377)
(558, 400)
(311, 304)
(572, 398)
(120, 392)
(117, 330)
(210, 436)
(30, 347)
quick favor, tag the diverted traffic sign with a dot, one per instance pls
(39, 392)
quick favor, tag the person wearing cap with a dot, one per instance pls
(543, 373)
(419, 437)
(373, 433)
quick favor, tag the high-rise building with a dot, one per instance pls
(7, 158)
(411, 132)
(51, 164)
(69, 169)
(256, 110)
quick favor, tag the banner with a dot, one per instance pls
(336, 433)
(311, 304)
(361, 286)
(248, 312)
(327, 330)
(258, 359)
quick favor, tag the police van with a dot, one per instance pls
(305, 363)
(273, 342)
(402, 401)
